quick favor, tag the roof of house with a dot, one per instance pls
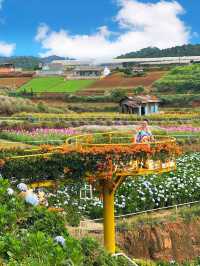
(132, 103)
(53, 67)
(88, 68)
(137, 100)
(73, 62)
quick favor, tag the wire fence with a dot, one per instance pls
(129, 215)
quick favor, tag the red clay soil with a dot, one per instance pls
(167, 241)
(13, 83)
(170, 241)
(119, 81)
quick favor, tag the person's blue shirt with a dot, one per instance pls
(141, 134)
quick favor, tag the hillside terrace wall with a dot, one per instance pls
(173, 241)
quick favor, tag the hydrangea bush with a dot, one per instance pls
(139, 193)
(35, 236)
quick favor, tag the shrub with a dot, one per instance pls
(139, 90)
(27, 237)
(114, 96)
(38, 249)
(95, 256)
(42, 107)
(12, 105)
(117, 94)
(40, 219)
(179, 100)
(72, 216)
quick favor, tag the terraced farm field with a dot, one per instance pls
(13, 83)
(55, 85)
(119, 81)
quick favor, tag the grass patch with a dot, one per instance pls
(55, 85)
(11, 105)
(4, 144)
(184, 214)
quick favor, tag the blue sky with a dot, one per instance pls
(110, 27)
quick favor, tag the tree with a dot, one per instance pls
(139, 90)
(118, 94)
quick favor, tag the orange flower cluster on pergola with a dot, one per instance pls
(170, 148)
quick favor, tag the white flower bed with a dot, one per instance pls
(141, 193)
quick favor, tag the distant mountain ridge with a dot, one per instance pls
(29, 62)
(150, 52)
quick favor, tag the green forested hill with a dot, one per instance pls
(28, 62)
(184, 50)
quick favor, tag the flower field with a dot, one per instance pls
(140, 193)
(41, 135)
(165, 190)
(70, 166)
(109, 115)
(186, 129)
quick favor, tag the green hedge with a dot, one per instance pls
(179, 100)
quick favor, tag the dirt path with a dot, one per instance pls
(13, 83)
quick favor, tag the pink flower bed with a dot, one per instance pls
(182, 128)
(43, 131)
(38, 134)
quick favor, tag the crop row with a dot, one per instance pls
(111, 116)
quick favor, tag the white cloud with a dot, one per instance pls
(6, 49)
(42, 32)
(140, 25)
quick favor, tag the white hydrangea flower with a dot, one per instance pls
(22, 187)
(10, 191)
(60, 240)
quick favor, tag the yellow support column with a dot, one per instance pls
(109, 220)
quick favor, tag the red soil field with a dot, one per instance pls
(119, 81)
(13, 83)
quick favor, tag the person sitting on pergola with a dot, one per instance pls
(144, 134)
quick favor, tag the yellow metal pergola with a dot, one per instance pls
(107, 187)
(108, 182)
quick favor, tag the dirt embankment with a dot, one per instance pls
(170, 241)
(13, 83)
